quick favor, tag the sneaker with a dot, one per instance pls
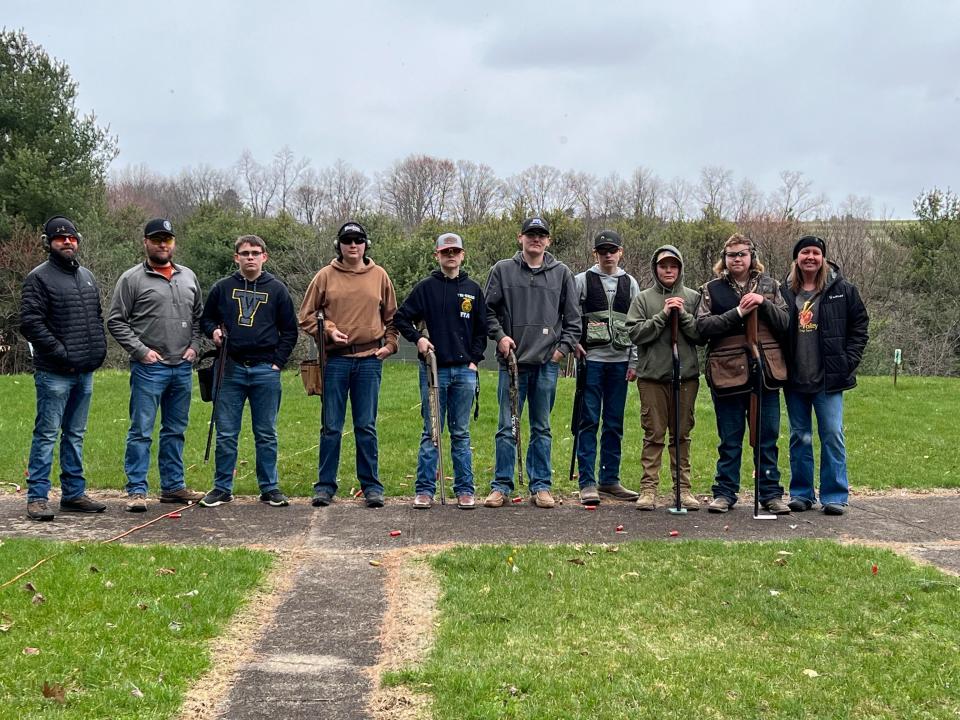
(216, 497)
(322, 498)
(799, 504)
(137, 503)
(618, 492)
(688, 501)
(495, 499)
(374, 499)
(776, 506)
(423, 502)
(274, 498)
(589, 495)
(834, 509)
(181, 496)
(647, 500)
(39, 510)
(542, 499)
(466, 501)
(82, 504)
(720, 504)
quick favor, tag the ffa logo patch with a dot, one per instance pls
(466, 305)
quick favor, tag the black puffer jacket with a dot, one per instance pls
(842, 322)
(60, 315)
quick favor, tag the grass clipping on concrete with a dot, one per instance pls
(113, 631)
(802, 629)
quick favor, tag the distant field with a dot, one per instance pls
(903, 437)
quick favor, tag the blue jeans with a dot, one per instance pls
(833, 453)
(604, 392)
(456, 385)
(538, 384)
(63, 402)
(360, 378)
(260, 385)
(168, 388)
(732, 420)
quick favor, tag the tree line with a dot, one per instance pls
(54, 160)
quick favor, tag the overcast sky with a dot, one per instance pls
(862, 97)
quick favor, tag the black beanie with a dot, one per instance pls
(809, 241)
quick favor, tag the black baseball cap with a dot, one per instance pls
(535, 225)
(59, 226)
(351, 228)
(158, 226)
(607, 237)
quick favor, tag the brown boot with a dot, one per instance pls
(647, 499)
(688, 500)
(495, 499)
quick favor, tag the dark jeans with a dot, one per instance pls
(732, 420)
(604, 395)
(456, 384)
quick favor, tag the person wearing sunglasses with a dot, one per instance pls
(651, 327)
(446, 313)
(358, 304)
(254, 310)
(742, 287)
(605, 292)
(61, 317)
(155, 316)
(532, 310)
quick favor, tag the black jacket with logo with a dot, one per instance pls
(61, 316)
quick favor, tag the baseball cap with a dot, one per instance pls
(534, 225)
(351, 228)
(607, 237)
(59, 226)
(664, 254)
(449, 240)
(158, 226)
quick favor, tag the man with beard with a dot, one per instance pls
(60, 315)
(155, 316)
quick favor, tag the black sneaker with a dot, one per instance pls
(834, 509)
(374, 500)
(275, 498)
(216, 497)
(39, 510)
(322, 499)
(81, 504)
(799, 504)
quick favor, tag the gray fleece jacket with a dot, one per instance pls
(538, 308)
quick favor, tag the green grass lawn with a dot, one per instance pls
(122, 630)
(800, 629)
(903, 437)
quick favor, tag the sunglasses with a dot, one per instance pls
(607, 250)
(250, 253)
(450, 252)
(353, 240)
(537, 235)
(738, 254)
(162, 239)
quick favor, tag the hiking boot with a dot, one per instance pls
(495, 499)
(274, 498)
(647, 499)
(216, 497)
(618, 492)
(776, 506)
(466, 501)
(373, 500)
(589, 495)
(542, 499)
(799, 504)
(39, 510)
(136, 503)
(834, 509)
(82, 504)
(322, 498)
(688, 501)
(720, 504)
(181, 496)
(423, 502)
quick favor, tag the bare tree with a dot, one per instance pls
(748, 201)
(287, 170)
(539, 189)
(645, 191)
(258, 184)
(417, 188)
(794, 199)
(478, 192)
(344, 191)
(714, 192)
(677, 199)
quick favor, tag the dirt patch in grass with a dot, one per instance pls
(235, 647)
(913, 551)
(407, 632)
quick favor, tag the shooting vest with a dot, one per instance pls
(728, 358)
(604, 323)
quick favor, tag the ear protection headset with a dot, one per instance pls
(46, 240)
